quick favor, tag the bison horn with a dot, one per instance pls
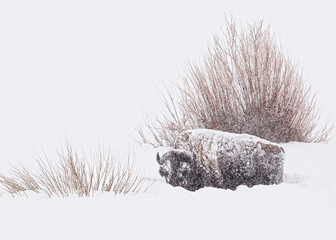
(194, 155)
(158, 158)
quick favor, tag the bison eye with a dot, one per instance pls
(184, 173)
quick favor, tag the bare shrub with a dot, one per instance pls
(73, 174)
(245, 84)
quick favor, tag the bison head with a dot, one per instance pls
(180, 168)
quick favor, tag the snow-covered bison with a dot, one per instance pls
(209, 158)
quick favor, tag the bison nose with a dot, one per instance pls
(163, 173)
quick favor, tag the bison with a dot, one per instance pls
(209, 158)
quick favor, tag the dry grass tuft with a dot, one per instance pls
(73, 174)
(245, 84)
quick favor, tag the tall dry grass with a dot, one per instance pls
(245, 84)
(73, 173)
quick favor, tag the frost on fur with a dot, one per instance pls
(208, 158)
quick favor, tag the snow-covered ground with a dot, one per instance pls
(303, 207)
(86, 70)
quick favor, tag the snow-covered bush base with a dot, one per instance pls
(208, 158)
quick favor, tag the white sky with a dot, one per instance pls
(87, 69)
